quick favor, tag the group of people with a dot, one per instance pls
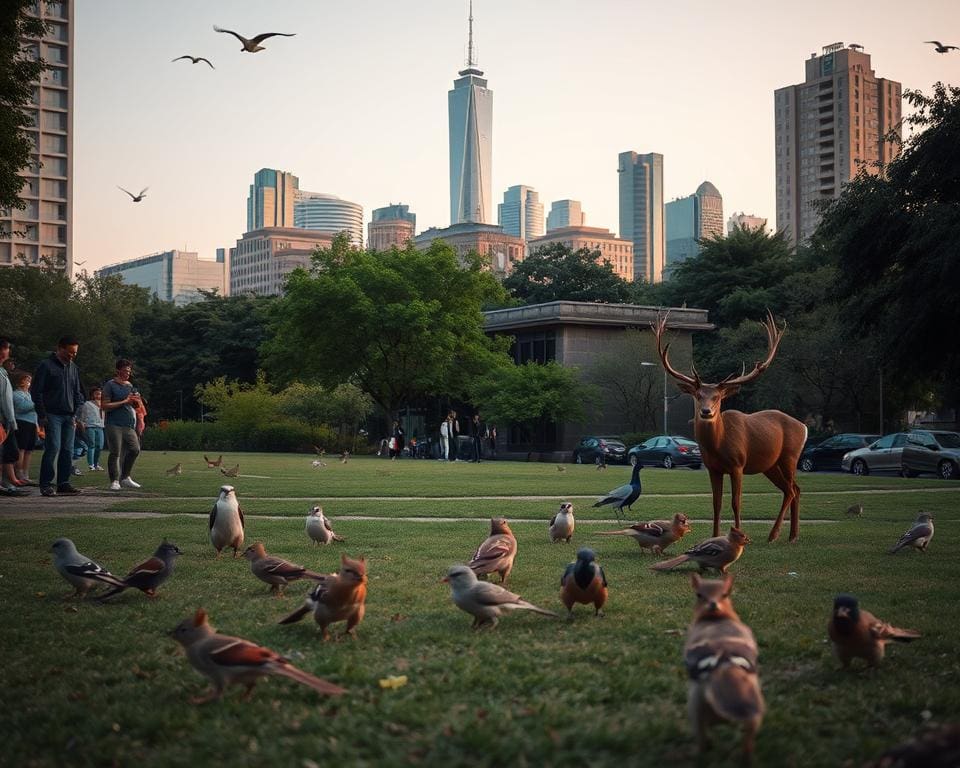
(51, 402)
(479, 432)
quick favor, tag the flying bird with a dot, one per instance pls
(150, 574)
(319, 528)
(584, 582)
(562, 523)
(226, 522)
(940, 47)
(194, 59)
(252, 45)
(79, 570)
(625, 495)
(484, 600)
(655, 535)
(720, 553)
(919, 535)
(337, 597)
(497, 552)
(856, 633)
(135, 198)
(232, 472)
(176, 469)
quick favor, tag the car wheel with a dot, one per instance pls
(667, 462)
(947, 470)
(807, 465)
(634, 460)
(860, 467)
(577, 458)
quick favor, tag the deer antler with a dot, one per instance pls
(658, 329)
(774, 335)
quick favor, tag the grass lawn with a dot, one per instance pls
(89, 684)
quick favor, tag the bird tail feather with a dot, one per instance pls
(117, 589)
(525, 606)
(903, 635)
(294, 617)
(673, 562)
(321, 686)
(337, 537)
(315, 576)
(734, 694)
(624, 532)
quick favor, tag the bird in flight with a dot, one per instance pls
(194, 59)
(941, 48)
(135, 198)
(252, 45)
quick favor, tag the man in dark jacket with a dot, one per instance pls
(58, 396)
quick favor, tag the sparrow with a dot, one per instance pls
(211, 464)
(194, 60)
(484, 600)
(497, 552)
(562, 523)
(625, 495)
(720, 654)
(83, 573)
(226, 521)
(233, 472)
(856, 633)
(176, 469)
(275, 571)
(720, 552)
(319, 529)
(584, 582)
(655, 535)
(135, 198)
(337, 597)
(919, 535)
(855, 510)
(252, 45)
(940, 47)
(150, 574)
(230, 660)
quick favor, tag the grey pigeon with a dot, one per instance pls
(83, 573)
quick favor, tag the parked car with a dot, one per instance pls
(589, 449)
(666, 451)
(829, 453)
(883, 455)
(930, 451)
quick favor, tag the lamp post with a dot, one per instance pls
(665, 400)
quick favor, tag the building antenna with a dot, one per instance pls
(470, 39)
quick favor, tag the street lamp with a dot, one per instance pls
(665, 400)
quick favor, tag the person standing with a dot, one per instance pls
(58, 396)
(9, 451)
(445, 438)
(454, 437)
(26, 413)
(91, 417)
(396, 441)
(492, 438)
(477, 430)
(119, 403)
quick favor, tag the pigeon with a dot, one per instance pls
(83, 573)
(720, 552)
(135, 198)
(194, 59)
(211, 464)
(856, 633)
(562, 524)
(485, 601)
(584, 582)
(940, 47)
(150, 574)
(655, 535)
(230, 660)
(919, 535)
(232, 472)
(497, 552)
(337, 597)
(319, 529)
(720, 654)
(176, 469)
(252, 45)
(855, 510)
(625, 495)
(226, 521)
(276, 571)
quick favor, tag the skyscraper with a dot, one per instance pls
(328, 213)
(690, 220)
(392, 225)
(565, 213)
(828, 128)
(271, 199)
(521, 212)
(641, 212)
(44, 228)
(470, 110)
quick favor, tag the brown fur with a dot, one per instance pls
(338, 597)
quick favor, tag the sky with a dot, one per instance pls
(356, 104)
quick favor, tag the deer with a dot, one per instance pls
(737, 444)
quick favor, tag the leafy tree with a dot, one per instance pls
(555, 272)
(634, 389)
(523, 394)
(237, 404)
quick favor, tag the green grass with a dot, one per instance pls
(89, 684)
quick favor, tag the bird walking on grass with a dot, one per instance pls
(226, 522)
(855, 510)
(276, 571)
(150, 574)
(232, 472)
(562, 524)
(919, 535)
(252, 44)
(497, 552)
(483, 600)
(856, 633)
(584, 582)
(211, 464)
(719, 552)
(345, 457)
(625, 495)
(82, 573)
(337, 597)
(319, 529)
(655, 535)
(176, 469)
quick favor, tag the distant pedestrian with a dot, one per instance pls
(454, 437)
(9, 450)
(492, 439)
(26, 413)
(120, 401)
(477, 431)
(91, 417)
(396, 441)
(445, 438)
(58, 396)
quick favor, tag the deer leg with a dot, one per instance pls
(776, 476)
(716, 483)
(736, 493)
(795, 512)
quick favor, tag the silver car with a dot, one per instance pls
(884, 455)
(932, 451)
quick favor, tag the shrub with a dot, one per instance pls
(281, 435)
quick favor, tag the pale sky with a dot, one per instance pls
(356, 103)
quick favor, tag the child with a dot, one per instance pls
(26, 413)
(91, 418)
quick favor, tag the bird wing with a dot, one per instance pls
(708, 548)
(240, 514)
(274, 565)
(126, 190)
(935, 42)
(603, 576)
(617, 494)
(200, 58)
(241, 38)
(91, 570)
(552, 521)
(326, 524)
(261, 37)
(567, 572)
(488, 593)
(143, 191)
(182, 57)
(918, 531)
(494, 548)
(213, 516)
(654, 528)
(234, 652)
(147, 568)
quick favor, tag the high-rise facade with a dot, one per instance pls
(828, 128)
(271, 199)
(43, 230)
(642, 214)
(328, 213)
(391, 226)
(565, 213)
(262, 259)
(521, 212)
(745, 221)
(470, 113)
(175, 276)
(690, 220)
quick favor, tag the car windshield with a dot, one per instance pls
(948, 439)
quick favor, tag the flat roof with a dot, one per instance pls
(592, 313)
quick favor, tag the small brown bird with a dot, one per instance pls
(211, 464)
(919, 535)
(855, 510)
(150, 574)
(232, 661)
(655, 535)
(319, 451)
(232, 472)
(561, 468)
(720, 654)
(719, 552)
(601, 466)
(345, 457)
(176, 469)
(338, 597)
(276, 571)
(194, 60)
(856, 633)
(252, 45)
(319, 529)
(496, 554)
(562, 524)
(584, 582)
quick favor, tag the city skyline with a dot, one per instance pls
(312, 104)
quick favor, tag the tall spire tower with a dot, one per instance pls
(470, 111)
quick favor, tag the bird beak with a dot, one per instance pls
(445, 580)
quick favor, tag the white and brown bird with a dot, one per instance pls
(211, 464)
(319, 529)
(940, 47)
(176, 469)
(276, 571)
(232, 472)
(584, 582)
(855, 510)
(858, 634)
(720, 654)
(194, 60)
(562, 524)
(337, 597)
(252, 44)
(719, 552)
(80, 571)
(496, 554)
(655, 535)
(233, 661)
(483, 600)
(226, 521)
(919, 535)
(316, 463)
(135, 198)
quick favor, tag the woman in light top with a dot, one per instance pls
(91, 419)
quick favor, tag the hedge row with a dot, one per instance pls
(283, 436)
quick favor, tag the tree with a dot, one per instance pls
(634, 389)
(555, 272)
(401, 324)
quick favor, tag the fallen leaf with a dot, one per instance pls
(393, 681)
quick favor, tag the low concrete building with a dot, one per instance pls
(499, 249)
(262, 259)
(616, 252)
(176, 276)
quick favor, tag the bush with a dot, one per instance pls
(281, 435)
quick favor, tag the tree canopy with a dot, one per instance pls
(556, 272)
(522, 394)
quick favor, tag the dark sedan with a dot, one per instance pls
(668, 452)
(829, 453)
(609, 450)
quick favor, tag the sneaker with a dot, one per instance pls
(76, 471)
(114, 485)
(67, 490)
(98, 468)
(129, 482)
(48, 490)
(9, 490)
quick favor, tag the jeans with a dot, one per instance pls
(57, 447)
(444, 447)
(94, 445)
(124, 447)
